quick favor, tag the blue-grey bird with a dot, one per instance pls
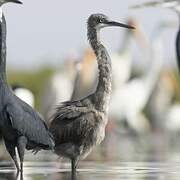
(171, 4)
(21, 126)
(78, 126)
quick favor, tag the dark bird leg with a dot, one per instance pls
(21, 145)
(74, 162)
(73, 166)
(21, 176)
(17, 175)
(11, 149)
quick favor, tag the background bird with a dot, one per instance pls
(24, 94)
(122, 60)
(78, 126)
(58, 87)
(140, 89)
(21, 126)
(171, 4)
(86, 76)
(163, 91)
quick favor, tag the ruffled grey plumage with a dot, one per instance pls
(77, 126)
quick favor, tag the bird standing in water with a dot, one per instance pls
(78, 126)
(21, 126)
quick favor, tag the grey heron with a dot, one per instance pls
(78, 126)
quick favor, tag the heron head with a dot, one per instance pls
(99, 21)
(7, 1)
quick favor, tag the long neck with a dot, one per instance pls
(103, 90)
(2, 47)
(178, 48)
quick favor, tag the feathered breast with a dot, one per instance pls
(76, 123)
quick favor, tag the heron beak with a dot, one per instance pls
(15, 1)
(113, 23)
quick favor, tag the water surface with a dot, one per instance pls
(95, 171)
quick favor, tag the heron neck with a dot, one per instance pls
(103, 90)
(2, 48)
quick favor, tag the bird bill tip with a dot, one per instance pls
(114, 23)
(126, 26)
(132, 27)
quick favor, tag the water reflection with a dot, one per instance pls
(97, 171)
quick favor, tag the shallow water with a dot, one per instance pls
(124, 158)
(95, 171)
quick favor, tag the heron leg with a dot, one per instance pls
(21, 145)
(74, 162)
(11, 149)
(73, 168)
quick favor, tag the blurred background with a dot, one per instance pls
(49, 61)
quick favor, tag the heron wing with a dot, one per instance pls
(28, 123)
(72, 122)
(69, 111)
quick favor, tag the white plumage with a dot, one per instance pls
(129, 101)
(25, 94)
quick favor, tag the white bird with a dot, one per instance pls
(58, 89)
(86, 75)
(123, 59)
(172, 120)
(129, 100)
(161, 100)
(25, 94)
(173, 5)
(172, 114)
